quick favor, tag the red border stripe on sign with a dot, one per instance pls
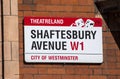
(57, 21)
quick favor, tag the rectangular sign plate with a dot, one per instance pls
(63, 40)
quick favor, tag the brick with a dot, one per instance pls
(110, 46)
(21, 45)
(76, 66)
(15, 51)
(54, 2)
(109, 40)
(65, 8)
(28, 76)
(107, 34)
(111, 52)
(11, 70)
(40, 8)
(118, 59)
(27, 13)
(118, 77)
(7, 50)
(14, 7)
(59, 14)
(20, 1)
(21, 37)
(86, 2)
(20, 13)
(83, 8)
(26, 65)
(42, 14)
(111, 71)
(21, 57)
(68, 77)
(104, 25)
(118, 65)
(29, 71)
(28, 1)
(105, 28)
(56, 71)
(26, 7)
(57, 65)
(21, 64)
(112, 77)
(111, 59)
(83, 77)
(98, 77)
(97, 71)
(110, 65)
(118, 53)
(70, 71)
(21, 29)
(21, 51)
(20, 20)
(74, 14)
(75, 77)
(58, 8)
(6, 5)
(43, 71)
(21, 76)
(43, 65)
(47, 77)
(42, 1)
(54, 8)
(69, 2)
(97, 66)
(10, 28)
(83, 71)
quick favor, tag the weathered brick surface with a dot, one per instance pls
(6, 5)
(109, 69)
(98, 77)
(28, 77)
(11, 28)
(9, 40)
(14, 7)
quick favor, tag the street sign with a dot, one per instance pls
(63, 40)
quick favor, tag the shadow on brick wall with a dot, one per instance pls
(110, 10)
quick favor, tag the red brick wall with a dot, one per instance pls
(109, 69)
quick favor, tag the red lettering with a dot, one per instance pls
(74, 45)
(35, 57)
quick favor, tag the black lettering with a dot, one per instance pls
(69, 34)
(93, 33)
(34, 46)
(33, 35)
(51, 45)
(39, 44)
(45, 45)
(58, 31)
(46, 35)
(63, 34)
(81, 34)
(39, 33)
(58, 45)
(87, 35)
(64, 45)
(51, 33)
(74, 34)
